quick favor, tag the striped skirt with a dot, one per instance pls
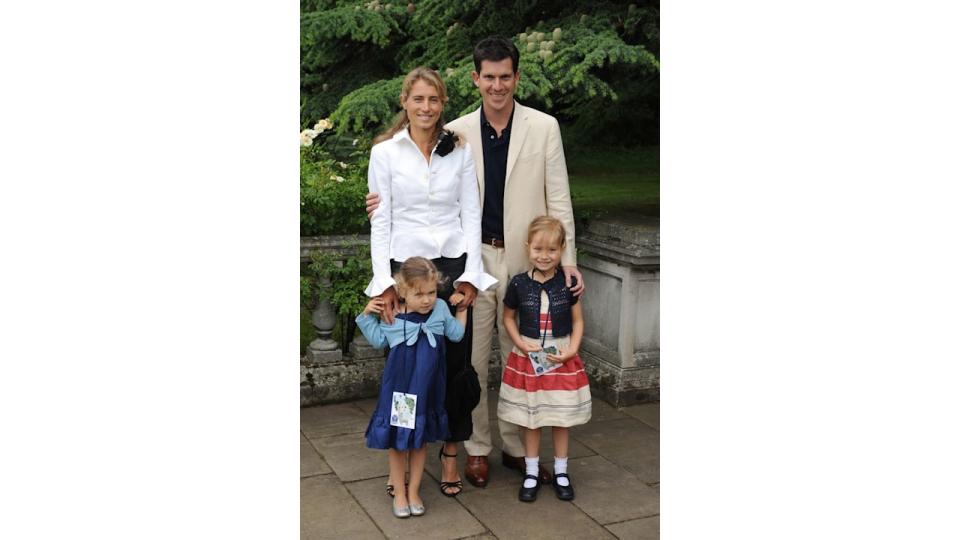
(557, 398)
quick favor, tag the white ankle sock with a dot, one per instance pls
(533, 469)
(560, 467)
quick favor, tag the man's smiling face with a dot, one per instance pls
(497, 83)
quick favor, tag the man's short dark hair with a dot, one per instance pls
(495, 49)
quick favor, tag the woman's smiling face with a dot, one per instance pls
(423, 105)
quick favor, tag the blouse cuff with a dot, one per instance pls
(481, 280)
(378, 285)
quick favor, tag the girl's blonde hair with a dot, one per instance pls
(413, 270)
(549, 225)
(400, 121)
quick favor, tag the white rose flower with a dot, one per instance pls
(340, 179)
(306, 137)
(342, 165)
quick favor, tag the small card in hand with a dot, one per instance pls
(539, 361)
(403, 410)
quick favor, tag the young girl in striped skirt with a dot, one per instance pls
(544, 383)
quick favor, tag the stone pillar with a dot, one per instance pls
(621, 344)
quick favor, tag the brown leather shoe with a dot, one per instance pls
(518, 464)
(477, 471)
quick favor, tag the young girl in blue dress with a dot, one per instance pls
(415, 365)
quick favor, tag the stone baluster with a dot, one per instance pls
(324, 349)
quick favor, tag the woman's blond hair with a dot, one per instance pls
(550, 225)
(413, 270)
(401, 121)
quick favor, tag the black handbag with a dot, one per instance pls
(464, 390)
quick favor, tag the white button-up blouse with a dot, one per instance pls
(426, 209)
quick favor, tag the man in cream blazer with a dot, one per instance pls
(533, 183)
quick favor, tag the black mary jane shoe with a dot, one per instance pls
(529, 494)
(564, 493)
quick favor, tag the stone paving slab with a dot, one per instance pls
(366, 405)
(498, 508)
(311, 464)
(329, 420)
(609, 493)
(350, 458)
(628, 443)
(648, 413)
(637, 529)
(445, 517)
(602, 411)
(615, 447)
(328, 511)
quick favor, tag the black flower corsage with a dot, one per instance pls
(446, 142)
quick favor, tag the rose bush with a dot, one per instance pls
(333, 182)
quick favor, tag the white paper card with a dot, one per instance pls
(540, 362)
(403, 410)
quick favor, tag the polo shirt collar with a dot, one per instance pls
(483, 118)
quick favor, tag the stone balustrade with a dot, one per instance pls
(621, 345)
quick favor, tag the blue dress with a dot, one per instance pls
(415, 365)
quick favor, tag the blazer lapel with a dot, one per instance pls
(475, 139)
(517, 135)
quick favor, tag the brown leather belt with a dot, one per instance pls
(492, 241)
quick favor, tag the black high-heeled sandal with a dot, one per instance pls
(444, 486)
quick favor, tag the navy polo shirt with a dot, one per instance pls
(494, 176)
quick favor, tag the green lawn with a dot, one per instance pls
(615, 182)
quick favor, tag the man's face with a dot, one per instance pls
(497, 83)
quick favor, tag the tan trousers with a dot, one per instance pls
(489, 308)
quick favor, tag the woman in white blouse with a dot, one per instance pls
(429, 207)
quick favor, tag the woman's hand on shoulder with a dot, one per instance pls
(387, 303)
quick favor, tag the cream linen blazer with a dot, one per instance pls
(536, 181)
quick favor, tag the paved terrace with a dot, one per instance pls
(614, 464)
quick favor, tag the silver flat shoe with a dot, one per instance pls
(417, 509)
(401, 512)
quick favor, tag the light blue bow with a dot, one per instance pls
(429, 328)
